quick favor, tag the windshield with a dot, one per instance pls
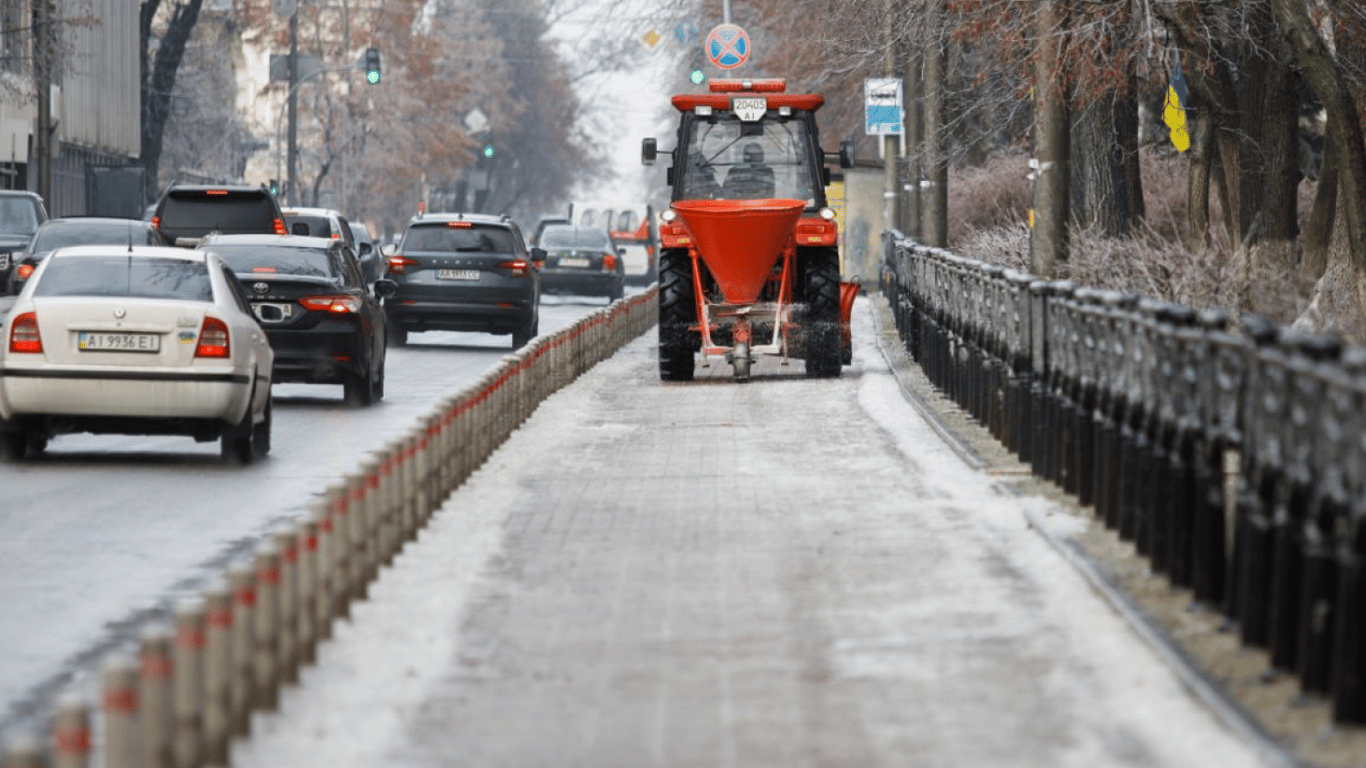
(121, 275)
(440, 237)
(17, 216)
(767, 159)
(52, 237)
(571, 237)
(283, 261)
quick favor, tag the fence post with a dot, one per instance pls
(71, 737)
(219, 669)
(188, 693)
(119, 697)
(155, 674)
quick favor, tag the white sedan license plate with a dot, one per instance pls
(574, 261)
(112, 341)
(458, 274)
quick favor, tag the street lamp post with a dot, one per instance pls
(293, 149)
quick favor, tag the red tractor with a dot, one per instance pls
(749, 261)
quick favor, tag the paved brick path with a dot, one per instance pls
(779, 573)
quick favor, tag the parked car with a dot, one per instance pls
(185, 213)
(464, 272)
(87, 230)
(582, 260)
(324, 321)
(367, 250)
(134, 340)
(21, 213)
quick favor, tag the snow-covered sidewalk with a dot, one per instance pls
(787, 572)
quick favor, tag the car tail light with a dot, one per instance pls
(609, 263)
(213, 339)
(398, 263)
(23, 334)
(280, 227)
(519, 267)
(23, 272)
(340, 305)
(459, 225)
(156, 222)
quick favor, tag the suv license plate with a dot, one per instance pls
(457, 274)
(89, 341)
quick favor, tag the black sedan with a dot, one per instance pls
(84, 230)
(582, 260)
(325, 325)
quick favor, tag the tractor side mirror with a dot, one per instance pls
(648, 151)
(846, 154)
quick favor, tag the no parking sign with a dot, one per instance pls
(728, 46)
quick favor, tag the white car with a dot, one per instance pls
(135, 340)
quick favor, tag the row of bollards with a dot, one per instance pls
(1228, 450)
(190, 686)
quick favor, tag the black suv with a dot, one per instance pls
(187, 212)
(464, 272)
(322, 318)
(20, 215)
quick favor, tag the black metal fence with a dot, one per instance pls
(1230, 451)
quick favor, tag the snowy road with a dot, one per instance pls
(102, 532)
(783, 573)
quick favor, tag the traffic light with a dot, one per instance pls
(275, 187)
(488, 150)
(372, 65)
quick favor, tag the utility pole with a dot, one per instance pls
(293, 160)
(43, 55)
(891, 142)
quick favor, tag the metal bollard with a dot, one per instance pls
(307, 589)
(187, 695)
(218, 673)
(265, 629)
(119, 703)
(287, 607)
(71, 736)
(1349, 641)
(156, 672)
(242, 680)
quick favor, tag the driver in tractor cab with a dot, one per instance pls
(752, 180)
(702, 182)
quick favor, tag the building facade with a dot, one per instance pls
(94, 109)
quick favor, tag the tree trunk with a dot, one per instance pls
(159, 80)
(1197, 183)
(1101, 186)
(936, 220)
(1048, 246)
(1318, 232)
(1339, 293)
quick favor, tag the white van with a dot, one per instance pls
(632, 228)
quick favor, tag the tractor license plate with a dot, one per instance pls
(749, 109)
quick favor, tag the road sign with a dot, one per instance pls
(727, 46)
(882, 106)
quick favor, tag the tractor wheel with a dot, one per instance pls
(677, 311)
(821, 331)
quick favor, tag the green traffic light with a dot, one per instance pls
(697, 77)
(488, 150)
(372, 77)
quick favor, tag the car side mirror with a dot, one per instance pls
(388, 249)
(648, 151)
(384, 288)
(365, 249)
(621, 252)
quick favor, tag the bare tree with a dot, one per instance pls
(161, 50)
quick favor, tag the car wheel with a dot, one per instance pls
(617, 292)
(523, 336)
(397, 336)
(379, 382)
(260, 435)
(359, 390)
(235, 444)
